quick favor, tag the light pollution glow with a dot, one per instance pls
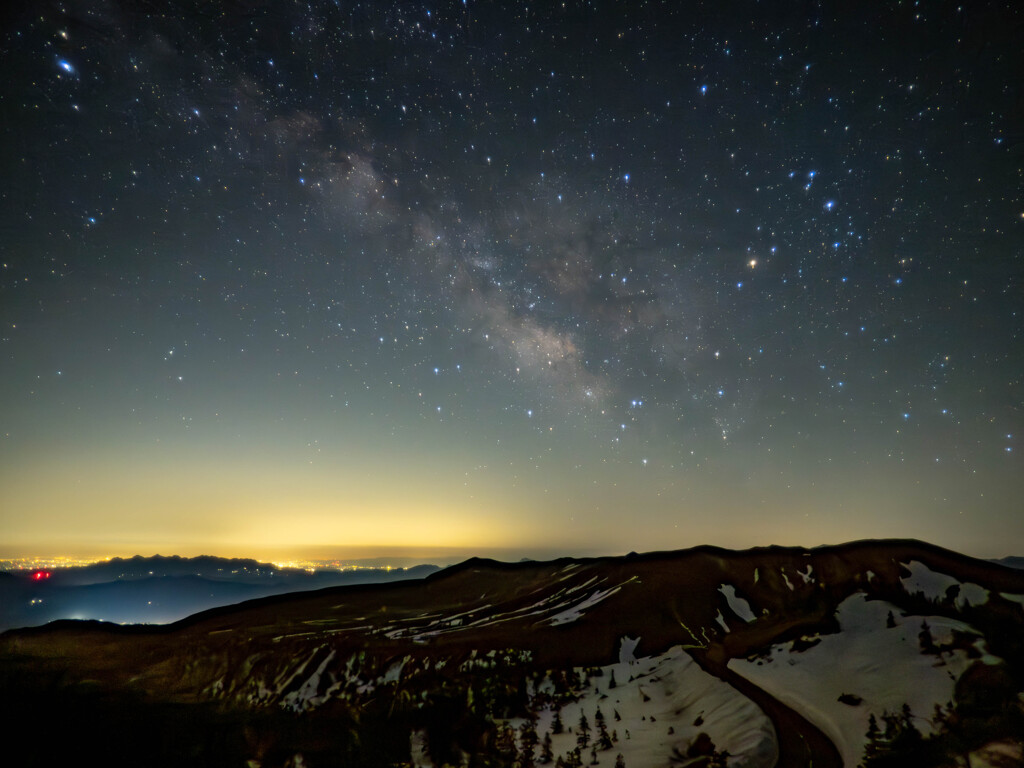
(529, 278)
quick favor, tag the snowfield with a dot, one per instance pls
(934, 585)
(882, 666)
(655, 694)
(737, 604)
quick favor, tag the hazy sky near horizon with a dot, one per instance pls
(585, 277)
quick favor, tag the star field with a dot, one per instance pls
(578, 277)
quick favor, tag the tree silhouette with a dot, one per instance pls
(925, 638)
(546, 752)
(583, 738)
(556, 723)
(527, 742)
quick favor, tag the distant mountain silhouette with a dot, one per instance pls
(160, 589)
(1011, 562)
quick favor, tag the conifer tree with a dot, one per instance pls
(925, 638)
(604, 741)
(546, 752)
(527, 742)
(556, 723)
(872, 733)
(583, 739)
(906, 718)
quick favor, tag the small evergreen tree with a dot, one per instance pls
(527, 742)
(925, 638)
(583, 738)
(604, 741)
(556, 723)
(620, 761)
(546, 752)
(906, 718)
(872, 733)
(890, 620)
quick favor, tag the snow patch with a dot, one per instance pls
(934, 585)
(785, 578)
(418, 749)
(627, 650)
(394, 672)
(721, 622)
(737, 604)
(576, 611)
(306, 696)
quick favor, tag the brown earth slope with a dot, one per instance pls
(256, 657)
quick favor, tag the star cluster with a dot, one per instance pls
(583, 276)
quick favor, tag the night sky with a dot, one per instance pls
(549, 277)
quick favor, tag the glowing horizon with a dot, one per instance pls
(420, 285)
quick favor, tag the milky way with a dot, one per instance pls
(584, 277)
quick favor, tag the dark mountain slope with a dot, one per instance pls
(454, 656)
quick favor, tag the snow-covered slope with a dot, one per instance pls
(882, 666)
(936, 586)
(659, 705)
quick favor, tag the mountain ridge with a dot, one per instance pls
(350, 649)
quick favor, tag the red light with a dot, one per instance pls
(40, 575)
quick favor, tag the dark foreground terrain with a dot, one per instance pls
(690, 658)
